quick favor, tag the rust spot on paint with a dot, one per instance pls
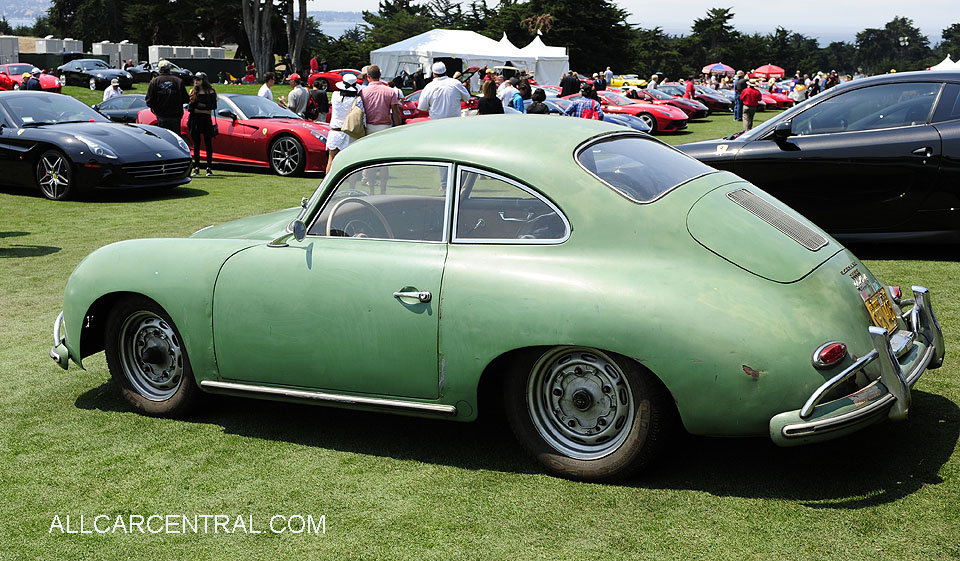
(755, 374)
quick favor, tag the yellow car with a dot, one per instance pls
(628, 80)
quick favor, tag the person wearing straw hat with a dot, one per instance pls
(751, 98)
(341, 102)
(113, 90)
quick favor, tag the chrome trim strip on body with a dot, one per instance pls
(413, 406)
(57, 339)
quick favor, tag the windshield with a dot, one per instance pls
(672, 90)
(14, 69)
(46, 109)
(659, 95)
(94, 65)
(639, 168)
(617, 99)
(256, 107)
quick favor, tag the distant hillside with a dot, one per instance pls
(22, 12)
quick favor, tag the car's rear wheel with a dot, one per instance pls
(322, 84)
(587, 415)
(148, 360)
(55, 175)
(649, 121)
(287, 156)
(93, 83)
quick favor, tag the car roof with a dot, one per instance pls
(481, 141)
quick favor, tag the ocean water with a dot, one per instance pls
(336, 28)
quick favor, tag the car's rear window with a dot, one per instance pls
(639, 168)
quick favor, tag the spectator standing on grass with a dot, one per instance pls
(166, 96)
(442, 96)
(297, 102)
(314, 65)
(342, 101)
(738, 86)
(569, 84)
(33, 81)
(586, 106)
(608, 75)
(113, 90)
(489, 103)
(203, 101)
(652, 84)
(380, 102)
(323, 104)
(599, 82)
(269, 79)
(537, 105)
(688, 88)
(506, 92)
(751, 99)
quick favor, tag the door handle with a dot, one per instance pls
(423, 296)
(924, 151)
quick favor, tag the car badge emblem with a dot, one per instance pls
(19, 132)
(158, 155)
(859, 279)
(264, 131)
(848, 268)
(721, 149)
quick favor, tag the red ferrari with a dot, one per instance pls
(780, 100)
(254, 131)
(693, 108)
(11, 78)
(327, 81)
(660, 118)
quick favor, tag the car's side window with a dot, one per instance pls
(491, 208)
(948, 108)
(875, 107)
(399, 201)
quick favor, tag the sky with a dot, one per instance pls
(830, 20)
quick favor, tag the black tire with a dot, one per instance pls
(54, 174)
(93, 84)
(650, 120)
(632, 408)
(287, 156)
(322, 84)
(147, 359)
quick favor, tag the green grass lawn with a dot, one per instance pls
(402, 488)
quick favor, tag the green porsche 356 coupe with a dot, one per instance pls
(604, 286)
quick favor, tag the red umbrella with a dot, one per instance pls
(768, 71)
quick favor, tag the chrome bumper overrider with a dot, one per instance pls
(59, 352)
(901, 359)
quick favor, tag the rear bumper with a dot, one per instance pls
(59, 352)
(901, 359)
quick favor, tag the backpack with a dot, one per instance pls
(313, 109)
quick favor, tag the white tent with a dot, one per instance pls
(946, 64)
(552, 62)
(421, 50)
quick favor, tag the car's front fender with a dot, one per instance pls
(178, 274)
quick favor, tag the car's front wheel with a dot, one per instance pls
(55, 175)
(93, 83)
(16, 86)
(649, 121)
(584, 414)
(148, 360)
(287, 156)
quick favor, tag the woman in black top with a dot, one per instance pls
(489, 104)
(203, 101)
(538, 106)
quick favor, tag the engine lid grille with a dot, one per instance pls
(778, 219)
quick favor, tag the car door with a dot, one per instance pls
(860, 161)
(941, 211)
(17, 168)
(354, 306)
(229, 145)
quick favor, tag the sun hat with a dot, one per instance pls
(349, 82)
(163, 64)
(439, 68)
(739, 72)
(752, 82)
(115, 82)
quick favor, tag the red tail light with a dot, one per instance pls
(829, 354)
(897, 293)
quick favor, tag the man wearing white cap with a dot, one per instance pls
(441, 97)
(112, 90)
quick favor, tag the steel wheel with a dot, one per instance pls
(54, 175)
(580, 402)
(148, 359)
(649, 121)
(93, 83)
(287, 156)
(151, 355)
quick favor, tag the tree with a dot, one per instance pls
(717, 38)
(446, 14)
(5, 28)
(257, 22)
(898, 45)
(296, 33)
(951, 42)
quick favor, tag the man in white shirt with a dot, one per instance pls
(113, 90)
(507, 92)
(442, 96)
(608, 75)
(268, 80)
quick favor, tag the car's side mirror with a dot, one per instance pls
(783, 131)
(96, 108)
(299, 232)
(227, 113)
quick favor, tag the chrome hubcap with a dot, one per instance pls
(286, 156)
(54, 176)
(580, 402)
(151, 355)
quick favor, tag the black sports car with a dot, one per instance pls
(877, 158)
(144, 72)
(92, 73)
(63, 147)
(122, 108)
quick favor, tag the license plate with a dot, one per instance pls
(881, 311)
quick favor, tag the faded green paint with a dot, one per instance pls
(732, 347)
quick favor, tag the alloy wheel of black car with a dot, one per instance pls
(588, 415)
(54, 175)
(147, 359)
(63, 79)
(287, 156)
(93, 83)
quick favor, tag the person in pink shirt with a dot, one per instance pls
(381, 103)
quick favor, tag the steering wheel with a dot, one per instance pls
(375, 210)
